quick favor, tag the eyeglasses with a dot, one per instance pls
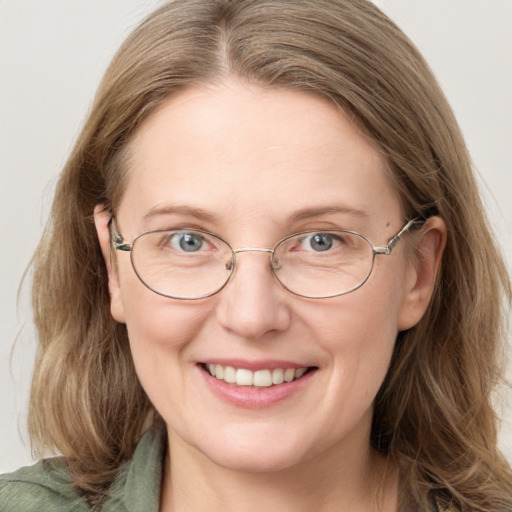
(191, 264)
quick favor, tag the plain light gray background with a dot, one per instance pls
(52, 55)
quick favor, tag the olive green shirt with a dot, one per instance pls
(47, 486)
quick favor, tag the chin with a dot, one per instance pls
(254, 461)
(250, 450)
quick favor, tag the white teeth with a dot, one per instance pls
(229, 374)
(219, 371)
(278, 376)
(289, 374)
(244, 377)
(260, 378)
(300, 372)
(263, 378)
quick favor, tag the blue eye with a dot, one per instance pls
(187, 242)
(320, 242)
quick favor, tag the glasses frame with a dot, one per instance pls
(118, 243)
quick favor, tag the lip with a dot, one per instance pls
(249, 397)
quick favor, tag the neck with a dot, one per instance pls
(340, 481)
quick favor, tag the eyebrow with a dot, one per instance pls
(190, 211)
(309, 213)
(297, 216)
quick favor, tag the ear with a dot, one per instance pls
(422, 272)
(101, 220)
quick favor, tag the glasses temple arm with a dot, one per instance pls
(391, 244)
(116, 239)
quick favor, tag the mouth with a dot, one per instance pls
(263, 378)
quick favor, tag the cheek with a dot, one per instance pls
(158, 325)
(363, 320)
(152, 319)
(360, 346)
(358, 332)
(159, 329)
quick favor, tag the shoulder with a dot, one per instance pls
(46, 486)
(137, 486)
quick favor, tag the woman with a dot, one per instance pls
(285, 294)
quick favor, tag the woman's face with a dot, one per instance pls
(254, 165)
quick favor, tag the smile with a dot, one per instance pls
(260, 378)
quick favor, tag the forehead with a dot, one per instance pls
(241, 151)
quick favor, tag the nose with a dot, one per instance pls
(253, 304)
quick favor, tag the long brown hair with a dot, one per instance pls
(433, 413)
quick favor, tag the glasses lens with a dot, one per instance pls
(323, 263)
(185, 264)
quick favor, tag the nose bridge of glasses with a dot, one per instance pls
(253, 249)
(230, 265)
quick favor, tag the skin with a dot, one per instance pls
(252, 158)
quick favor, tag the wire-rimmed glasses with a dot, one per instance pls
(191, 264)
